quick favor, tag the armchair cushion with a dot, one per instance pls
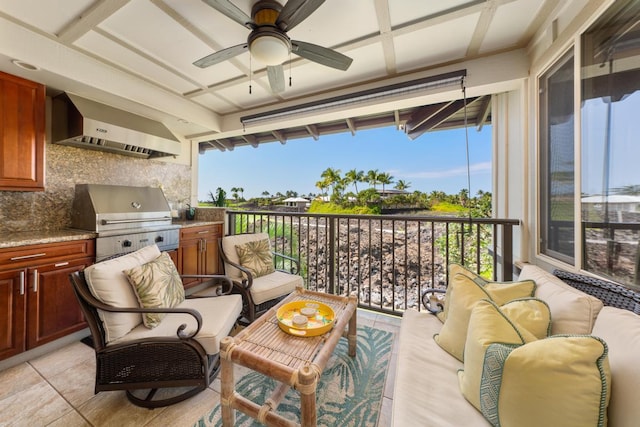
(229, 244)
(157, 284)
(256, 256)
(108, 283)
(274, 285)
(219, 315)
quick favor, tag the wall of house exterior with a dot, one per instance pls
(67, 166)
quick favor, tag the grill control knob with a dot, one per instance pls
(126, 243)
(159, 239)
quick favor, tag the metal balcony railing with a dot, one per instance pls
(386, 261)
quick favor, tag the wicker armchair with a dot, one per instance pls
(164, 365)
(258, 293)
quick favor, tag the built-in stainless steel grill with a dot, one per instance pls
(125, 218)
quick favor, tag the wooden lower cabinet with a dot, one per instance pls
(198, 251)
(37, 302)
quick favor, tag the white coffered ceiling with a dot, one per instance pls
(138, 54)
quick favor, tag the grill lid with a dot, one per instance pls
(100, 208)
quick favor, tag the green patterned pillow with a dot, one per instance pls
(156, 284)
(257, 257)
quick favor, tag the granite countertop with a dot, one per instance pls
(23, 238)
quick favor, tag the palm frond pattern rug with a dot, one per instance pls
(349, 393)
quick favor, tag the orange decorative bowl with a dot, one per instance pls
(317, 324)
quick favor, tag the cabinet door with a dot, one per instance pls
(189, 255)
(21, 134)
(12, 312)
(54, 310)
(211, 259)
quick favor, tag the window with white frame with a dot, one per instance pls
(608, 188)
(610, 146)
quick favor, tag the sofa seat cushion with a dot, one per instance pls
(572, 311)
(620, 329)
(219, 315)
(109, 284)
(274, 285)
(426, 391)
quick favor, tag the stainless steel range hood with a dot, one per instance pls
(83, 123)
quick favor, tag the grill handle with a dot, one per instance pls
(131, 221)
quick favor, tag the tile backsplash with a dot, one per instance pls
(68, 166)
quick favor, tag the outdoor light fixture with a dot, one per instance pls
(380, 94)
(270, 48)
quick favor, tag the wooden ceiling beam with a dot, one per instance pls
(351, 125)
(432, 122)
(313, 131)
(280, 136)
(90, 19)
(251, 139)
(483, 112)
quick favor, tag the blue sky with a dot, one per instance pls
(434, 161)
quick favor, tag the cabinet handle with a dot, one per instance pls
(17, 258)
(203, 232)
(61, 264)
(22, 283)
(35, 280)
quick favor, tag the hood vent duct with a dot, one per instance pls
(80, 122)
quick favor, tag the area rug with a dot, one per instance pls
(349, 393)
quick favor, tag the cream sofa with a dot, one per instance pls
(426, 389)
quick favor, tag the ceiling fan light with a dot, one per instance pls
(269, 50)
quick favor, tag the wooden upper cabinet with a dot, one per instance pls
(22, 132)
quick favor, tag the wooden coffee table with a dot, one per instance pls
(293, 361)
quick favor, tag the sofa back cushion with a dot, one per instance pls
(572, 311)
(109, 284)
(620, 329)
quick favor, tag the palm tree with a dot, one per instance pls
(354, 177)
(322, 186)
(372, 177)
(234, 193)
(402, 185)
(265, 193)
(385, 178)
(241, 190)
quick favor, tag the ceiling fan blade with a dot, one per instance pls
(321, 55)
(221, 55)
(232, 12)
(296, 11)
(276, 78)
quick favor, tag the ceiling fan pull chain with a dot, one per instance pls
(250, 75)
(289, 68)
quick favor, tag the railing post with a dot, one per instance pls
(507, 252)
(332, 254)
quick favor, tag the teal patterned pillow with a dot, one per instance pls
(257, 257)
(156, 284)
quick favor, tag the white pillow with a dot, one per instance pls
(572, 311)
(620, 329)
(108, 283)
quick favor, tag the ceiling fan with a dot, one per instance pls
(268, 41)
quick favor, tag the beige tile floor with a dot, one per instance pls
(57, 390)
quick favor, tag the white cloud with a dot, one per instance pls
(476, 169)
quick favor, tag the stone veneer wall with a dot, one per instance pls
(67, 166)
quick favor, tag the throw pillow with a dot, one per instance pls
(453, 270)
(563, 380)
(465, 293)
(256, 256)
(157, 284)
(514, 323)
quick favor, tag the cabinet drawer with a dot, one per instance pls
(204, 232)
(32, 255)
